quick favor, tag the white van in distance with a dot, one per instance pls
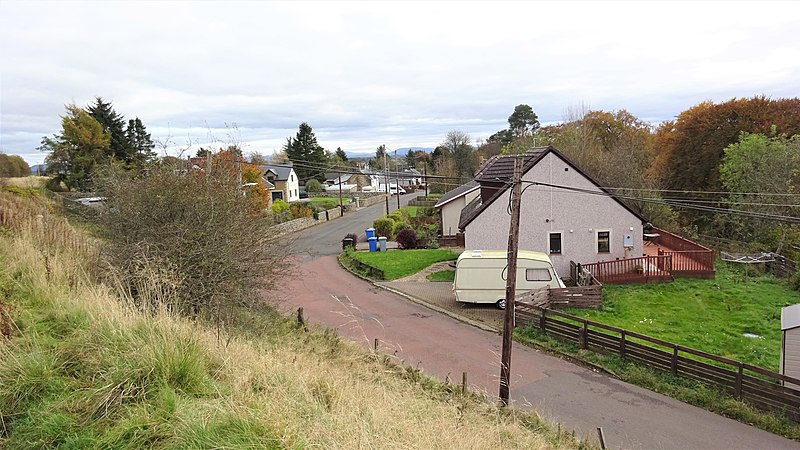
(481, 275)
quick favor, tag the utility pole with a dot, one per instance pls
(425, 176)
(386, 180)
(397, 179)
(511, 282)
(341, 207)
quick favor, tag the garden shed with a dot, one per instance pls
(790, 341)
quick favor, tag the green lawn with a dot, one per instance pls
(709, 315)
(401, 263)
(411, 210)
(442, 275)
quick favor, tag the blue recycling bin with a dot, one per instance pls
(373, 244)
(370, 232)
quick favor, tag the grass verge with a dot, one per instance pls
(442, 275)
(401, 263)
(709, 315)
(682, 389)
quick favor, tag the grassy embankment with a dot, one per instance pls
(81, 367)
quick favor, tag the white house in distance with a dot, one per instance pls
(563, 213)
(284, 178)
(451, 204)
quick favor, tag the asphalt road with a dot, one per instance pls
(442, 347)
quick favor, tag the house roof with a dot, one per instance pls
(790, 317)
(500, 168)
(281, 172)
(333, 177)
(460, 191)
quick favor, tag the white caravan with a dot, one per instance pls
(481, 275)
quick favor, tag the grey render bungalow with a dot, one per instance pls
(568, 215)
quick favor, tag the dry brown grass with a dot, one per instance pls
(25, 182)
(312, 390)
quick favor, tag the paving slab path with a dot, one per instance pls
(443, 347)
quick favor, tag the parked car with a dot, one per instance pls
(395, 189)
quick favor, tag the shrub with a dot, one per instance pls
(400, 226)
(187, 240)
(396, 216)
(383, 226)
(279, 207)
(299, 210)
(313, 185)
(407, 239)
(794, 281)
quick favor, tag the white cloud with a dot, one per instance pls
(364, 74)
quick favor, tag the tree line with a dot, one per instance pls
(93, 136)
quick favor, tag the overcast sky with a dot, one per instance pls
(364, 74)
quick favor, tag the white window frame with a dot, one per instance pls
(597, 241)
(549, 250)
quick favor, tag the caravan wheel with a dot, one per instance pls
(501, 304)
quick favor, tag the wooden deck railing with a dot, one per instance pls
(689, 259)
(762, 388)
(632, 270)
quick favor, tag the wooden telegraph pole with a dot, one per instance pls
(511, 281)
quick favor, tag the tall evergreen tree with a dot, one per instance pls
(341, 154)
(114, 124)
(140, 142)
(75, 152)
(308, 156)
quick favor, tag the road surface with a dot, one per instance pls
(442, 347)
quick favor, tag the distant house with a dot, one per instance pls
(357, 179)
(564, 212)
(451, 204)
(284, 178)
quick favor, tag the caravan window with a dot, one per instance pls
(537, 275)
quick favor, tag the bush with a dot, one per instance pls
(396, 216)
(299, 210)
(400, 226)
(383, 226)
(794, 281)
(313, 185)
(189, 243)
(407, 239)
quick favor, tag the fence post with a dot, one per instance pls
(737, 390)
(622, 343)
(463, 382)
(582, 335)
(675, 359)
(542, 320)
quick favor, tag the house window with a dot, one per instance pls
(292, 177)
(554, 243)
(603, 241)
(271, 178)
(537, 275)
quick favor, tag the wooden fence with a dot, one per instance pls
(632, 270)
(781, 267)
(759, 387)
(452, 241)
(689, 259)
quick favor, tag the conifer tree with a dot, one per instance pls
(305, 153)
